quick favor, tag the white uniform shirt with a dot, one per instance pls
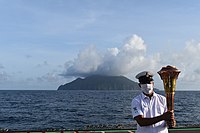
(142, 105)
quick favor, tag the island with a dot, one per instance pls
(99, 82)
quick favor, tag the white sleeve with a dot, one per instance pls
(136, 108)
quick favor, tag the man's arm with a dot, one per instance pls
(149, 121)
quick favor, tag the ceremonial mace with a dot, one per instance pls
(169, 75)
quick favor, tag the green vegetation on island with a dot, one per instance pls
(98, 82)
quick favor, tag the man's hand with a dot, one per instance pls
(169, 118)
(171, 123)
(169, 115)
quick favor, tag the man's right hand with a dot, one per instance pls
(169, 118)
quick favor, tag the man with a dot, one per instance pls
(149, 109)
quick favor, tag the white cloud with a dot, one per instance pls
(188, 60)
(131, 57)
(113, 51)
(135, 44)
(87, 62)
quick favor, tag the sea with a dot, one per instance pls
(83, 109)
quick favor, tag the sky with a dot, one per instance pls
(47, 43)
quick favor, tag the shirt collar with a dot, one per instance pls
(144, 96)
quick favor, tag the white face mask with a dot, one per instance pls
(147, 88)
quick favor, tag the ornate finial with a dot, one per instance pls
(169, 71)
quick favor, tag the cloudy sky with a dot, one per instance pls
(44, 44)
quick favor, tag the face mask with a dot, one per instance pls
(147, 88)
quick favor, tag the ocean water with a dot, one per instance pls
(83, 109)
